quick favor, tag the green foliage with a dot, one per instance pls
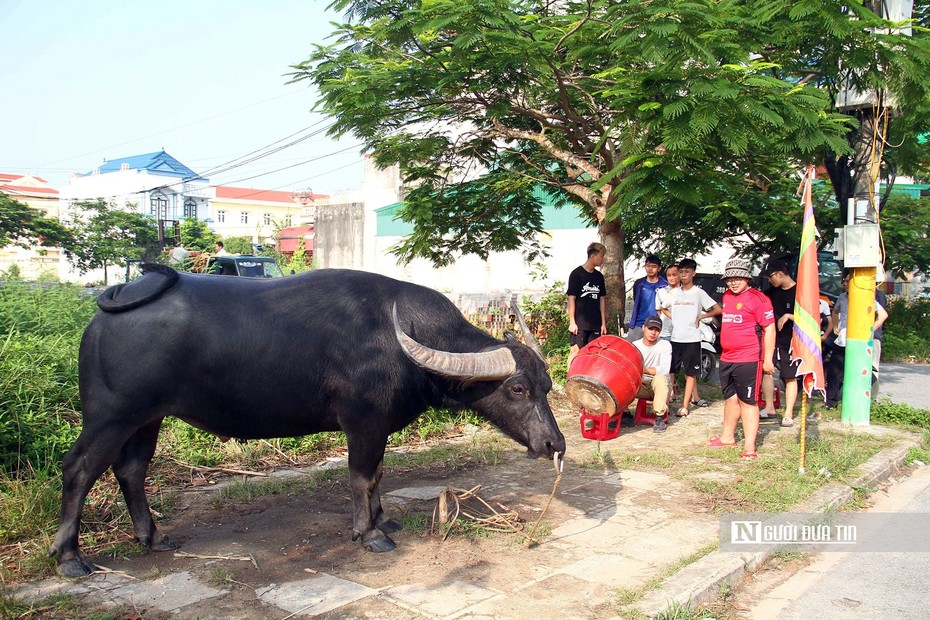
(12, 274)
(40, 331)
(22, 225)
(907, 330)
(196, 236)
(887, 412)
(905, 222)
(548, 320)
(238, 245)
(297, 262)
(105, 235)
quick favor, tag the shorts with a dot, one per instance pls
(583, 337)
(686, 355)
(741, 379)
(786, 368)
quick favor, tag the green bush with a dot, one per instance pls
(40, 331)
(907, 330)
(548, 320)
(887, 412)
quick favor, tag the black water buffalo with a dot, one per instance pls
(324, 351)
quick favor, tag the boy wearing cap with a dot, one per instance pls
(748, 340)
(687, 308)
(657, 360)
(782, 295)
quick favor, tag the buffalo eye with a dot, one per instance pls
(518, 390)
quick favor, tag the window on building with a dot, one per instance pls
(266, 219)
(243, 217)
(287, 220)
(190, 208)
(220, 217)
(159, 206)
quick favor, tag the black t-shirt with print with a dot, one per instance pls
(587, 289)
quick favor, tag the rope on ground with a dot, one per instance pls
(558, 463)
(451, 507)
(488, 517)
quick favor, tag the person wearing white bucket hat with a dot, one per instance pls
(747, 336)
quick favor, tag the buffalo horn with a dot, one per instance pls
(528, 337)
(485, 366)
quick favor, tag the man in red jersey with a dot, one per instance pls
(748, 340)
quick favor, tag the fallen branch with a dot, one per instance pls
(279, 451)
(227, 470)
(184, 554)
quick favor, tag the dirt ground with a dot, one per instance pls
(290, 537)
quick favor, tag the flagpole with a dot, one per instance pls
(803, 431)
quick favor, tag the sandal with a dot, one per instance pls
(715, 442)
(748, 456)
(701, 403)
(766, 415)
(787, 422)
(682, 412)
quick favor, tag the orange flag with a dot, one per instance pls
(805, 341)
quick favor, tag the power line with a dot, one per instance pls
(251, 105)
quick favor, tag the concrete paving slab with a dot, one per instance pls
(611, 569)
(445, 600)
(314, 596)
(421, 493)
(35, 592)
(168, 593)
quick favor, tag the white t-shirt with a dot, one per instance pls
(663, 300)
(686, 307)
(658, 356)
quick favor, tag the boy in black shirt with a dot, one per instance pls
(782, 294)
(587, 301)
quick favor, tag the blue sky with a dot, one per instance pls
(203, 79)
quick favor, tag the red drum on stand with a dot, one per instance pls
(604, 379)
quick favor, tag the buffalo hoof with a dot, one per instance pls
(165, 544)
(75, 567)
(389, 526)
(378, 543)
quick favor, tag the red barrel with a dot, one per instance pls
(605, 376)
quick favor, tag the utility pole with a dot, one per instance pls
(861, 239)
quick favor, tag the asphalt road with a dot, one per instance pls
(906, 383)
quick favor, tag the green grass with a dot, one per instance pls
(772, 483)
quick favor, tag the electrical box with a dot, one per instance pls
(861, 246)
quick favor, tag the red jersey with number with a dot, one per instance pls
(744, 316)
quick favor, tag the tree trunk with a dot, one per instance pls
(612, 237)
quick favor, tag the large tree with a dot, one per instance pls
(106, 235)
(668, 123)
(24, 226)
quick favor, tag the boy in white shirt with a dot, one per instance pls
(687, 308)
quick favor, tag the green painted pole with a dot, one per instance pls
(857, 373)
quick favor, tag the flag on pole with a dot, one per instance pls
(805, 340)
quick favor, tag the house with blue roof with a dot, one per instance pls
(153, 184)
